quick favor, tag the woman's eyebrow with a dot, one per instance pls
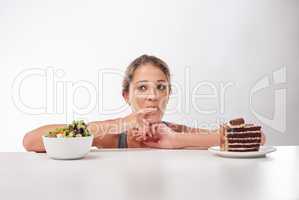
(142, 81)
(161, 81)
(145, 81)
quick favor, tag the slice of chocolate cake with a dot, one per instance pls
(238, 136)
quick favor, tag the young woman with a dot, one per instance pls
(146, 88)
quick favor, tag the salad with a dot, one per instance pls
(75, 129)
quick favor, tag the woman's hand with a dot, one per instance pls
(263, 139)
(137, 120)
(148, 135)
(138, 123)
(165, 137)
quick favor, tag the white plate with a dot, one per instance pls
(253, 154)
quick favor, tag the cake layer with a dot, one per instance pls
(248, 138)
(244, 135)
(244, 129)
(239, 140)
(254, 145)
(243, 150)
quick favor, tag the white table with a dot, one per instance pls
(150, 174)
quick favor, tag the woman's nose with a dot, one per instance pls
(152, 95)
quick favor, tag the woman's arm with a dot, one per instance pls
(189, 137)
(197, 137)
(105, 132)
(32, 141)
(204, 139)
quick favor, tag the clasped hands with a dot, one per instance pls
(152, 134)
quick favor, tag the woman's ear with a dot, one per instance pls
(126, 97)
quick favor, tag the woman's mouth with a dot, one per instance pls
(154, 107)
(154, 116)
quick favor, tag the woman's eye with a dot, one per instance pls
(161, 87)
(142, 88)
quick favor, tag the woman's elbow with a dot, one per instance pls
(33, 142)
(27, 143)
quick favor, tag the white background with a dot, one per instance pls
(215, 42)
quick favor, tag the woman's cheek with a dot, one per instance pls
(137, 104)
(163, 103)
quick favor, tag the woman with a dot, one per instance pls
(146, 88)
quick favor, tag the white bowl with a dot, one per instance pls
(67, 148)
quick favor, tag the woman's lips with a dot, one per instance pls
(155, 107)
(154, 116)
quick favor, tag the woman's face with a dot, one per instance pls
(149, 88)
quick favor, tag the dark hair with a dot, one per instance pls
(143, 60)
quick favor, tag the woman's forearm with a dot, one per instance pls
(32, 141)
(200, 138)
(113, 126)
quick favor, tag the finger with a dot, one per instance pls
(134, 131)
(153, 139)
(139, 135)
(146, 130)
(135, 134)
(139, 138)
(154, 129)
(146, 125)
(143, 138)
(148, 134)
(162, 128)
(142, 134)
